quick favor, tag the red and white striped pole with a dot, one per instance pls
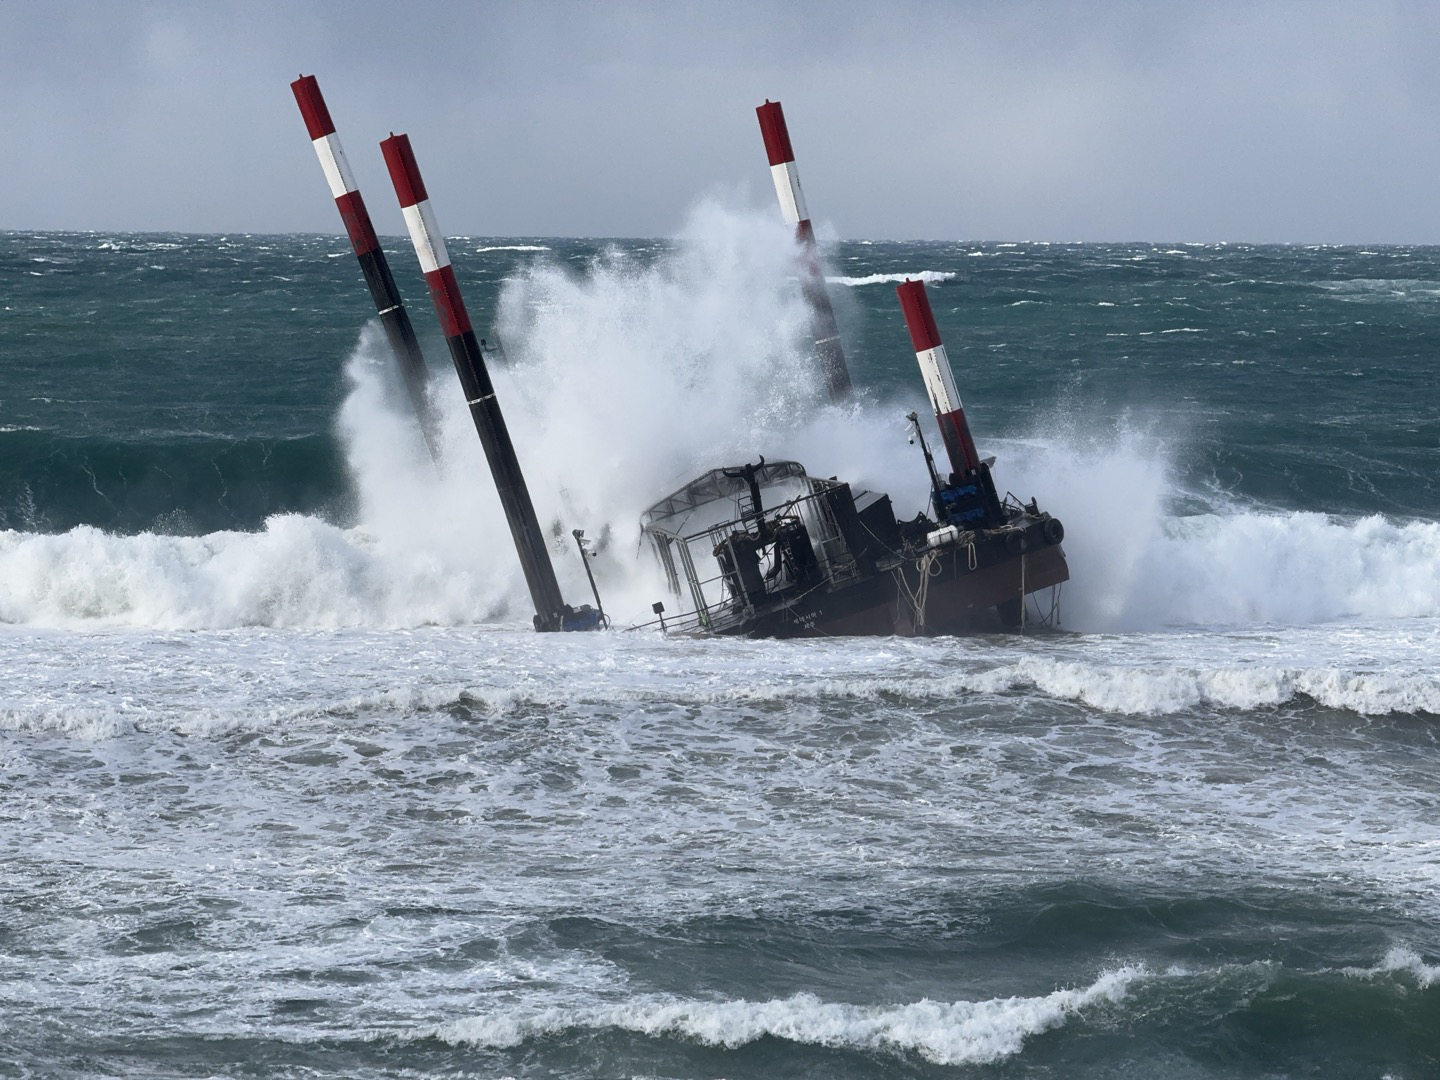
(939, 379)
(550, 607)
(792, 205)
(366, 244)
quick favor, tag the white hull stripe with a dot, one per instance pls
(425, 234)
(939, 380)
(787, 187)
(337, 169)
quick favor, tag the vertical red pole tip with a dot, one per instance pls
(919, 319)
(404, 172)
(775, 133)
(312, 107)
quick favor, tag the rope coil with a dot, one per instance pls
(927, 566)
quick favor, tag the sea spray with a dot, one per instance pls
(441, 517)
(654, 398)
(430, 545)
(1112, 490)
(632, 376)
(623, 381)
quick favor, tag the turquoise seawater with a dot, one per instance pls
(198, 376)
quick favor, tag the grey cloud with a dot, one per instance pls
(1265, 121)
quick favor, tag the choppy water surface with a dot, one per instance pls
(287, 789)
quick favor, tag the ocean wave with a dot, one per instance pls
(1135, 564)
(298, 572)
(1399, 960)
(79, 721)
(1381, 289)
(1254, 568)
(1243, 571)
(1108, 688)
(125, 717)
(512, 247)
(431, 547)
(179, 481)
(946, 1033)
(930, 277)
(1150, 691)
(1113, 689)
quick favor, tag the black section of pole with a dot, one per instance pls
(550, 608)
(827, 332)
(395, 321)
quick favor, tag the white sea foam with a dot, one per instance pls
(1171, 688)
(946, 1033)
(513, 247)
(930, 277)
(299, 571)
(433, 548)
(1153, 689)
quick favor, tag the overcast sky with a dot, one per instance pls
(1261, 121)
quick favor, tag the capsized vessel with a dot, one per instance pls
(767, 550)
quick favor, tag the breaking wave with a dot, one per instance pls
(957, 1033)
(438, 554)
(644, 675)
(1150, 691)
(1136, 564)
(1251, 569)
(1400, 960)
(946, 1033)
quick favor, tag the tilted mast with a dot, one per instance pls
(551, 611)
(812, 279)
(939, 378)
(970, 495)
(388, 305)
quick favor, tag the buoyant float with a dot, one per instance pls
(766, 550)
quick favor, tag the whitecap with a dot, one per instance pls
(930, 277)
(946, 1033)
